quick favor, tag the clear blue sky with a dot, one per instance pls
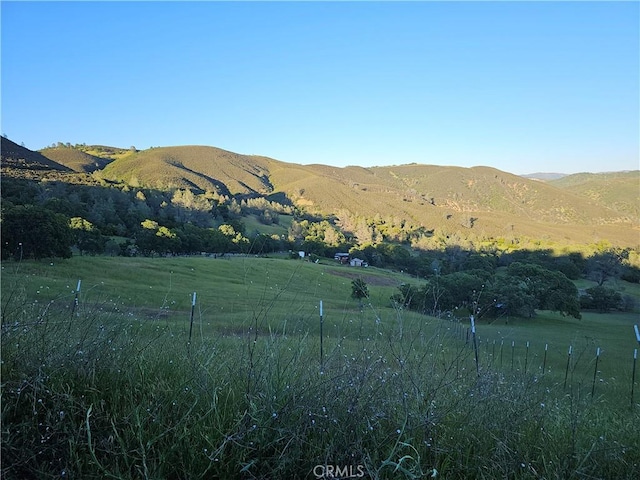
(523, 87)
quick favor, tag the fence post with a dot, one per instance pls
(321, 337)
(633, 375)
(76, 300)
(513, 345)
(566, 373)
(475, 344)
(635, 358)
(493, 353)
(595, 372)
(193, 308)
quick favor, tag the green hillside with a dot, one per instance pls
(105, 151)
(619, 190)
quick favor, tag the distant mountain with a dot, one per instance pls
(544, 176)
(16, 156)
(478, 202)
(618, 190)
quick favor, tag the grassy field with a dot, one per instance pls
(252, 224)
(113, 386)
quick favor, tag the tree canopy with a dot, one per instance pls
(30, 231)
(520, 291)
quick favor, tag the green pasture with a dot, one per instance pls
(503, 345)
(252, 224)
(240, 294)
(229, 290)
(114, 387)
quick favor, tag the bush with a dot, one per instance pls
(602, 299)
(29, 231)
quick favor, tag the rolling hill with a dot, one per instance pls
(75, 159)
(18, 157)
(618, 190)
(480, 202)
(195, 167)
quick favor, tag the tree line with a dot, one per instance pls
(55, 218)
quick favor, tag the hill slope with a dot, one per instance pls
(480, 201)
(15, 156)
(75, 159)
(474, 202)
(619, 190)
(417, 190)
(197, 167)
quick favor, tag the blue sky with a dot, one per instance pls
(520, 86)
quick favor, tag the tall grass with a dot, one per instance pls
(106, 393)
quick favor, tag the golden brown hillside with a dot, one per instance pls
(75, 159)
(479, 201)
(470, 203)
(196, 167)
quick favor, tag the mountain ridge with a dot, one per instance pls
(18, 156)
(481, 201)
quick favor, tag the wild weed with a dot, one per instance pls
(104, 394)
